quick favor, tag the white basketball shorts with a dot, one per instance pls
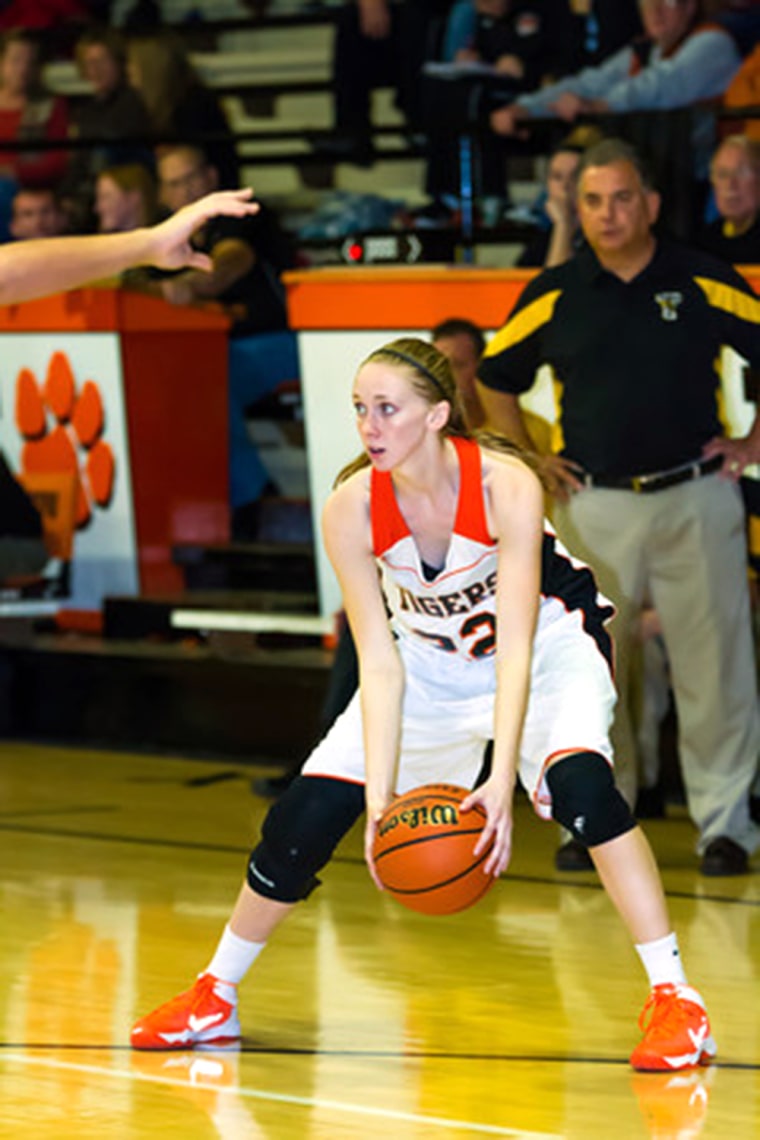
(448, 715)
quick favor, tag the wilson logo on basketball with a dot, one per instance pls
(424, 850)
(439, 815)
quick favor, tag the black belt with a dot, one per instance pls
(656, 480)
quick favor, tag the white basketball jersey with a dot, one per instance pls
(455, 611)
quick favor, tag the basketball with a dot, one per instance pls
(423, 850)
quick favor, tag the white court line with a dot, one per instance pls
(281, 1098)
(248, 621)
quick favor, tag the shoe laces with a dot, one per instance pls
(202, 989)
(664, 1012)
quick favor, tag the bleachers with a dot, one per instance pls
(273, 73)
(274, 78)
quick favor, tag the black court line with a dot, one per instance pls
(251, 1049)
(136, 840)
(597, 886)
(234, 849)
(191, 781)
(216, 778)
(74, 810)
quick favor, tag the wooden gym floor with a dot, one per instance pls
(361, 1019)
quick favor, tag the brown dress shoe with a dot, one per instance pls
(724, 857)
(573, 856)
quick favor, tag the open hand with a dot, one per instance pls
(506, 120)
(737, 454)
(562, 476)
(497, 804)
(374, 814)
(169, 242)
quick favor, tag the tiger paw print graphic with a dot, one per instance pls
(62, 428)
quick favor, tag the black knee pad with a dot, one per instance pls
(585, 799)
(299, 835)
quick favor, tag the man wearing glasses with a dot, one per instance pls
(247, 254)
(247, 257)
(735, 179)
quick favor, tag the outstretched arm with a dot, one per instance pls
(32, 269)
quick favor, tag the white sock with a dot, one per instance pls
(662, 961)
(233, 958)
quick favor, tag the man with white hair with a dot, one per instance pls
(735, 179)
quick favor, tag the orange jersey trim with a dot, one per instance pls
(388, 524)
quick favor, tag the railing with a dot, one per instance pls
(664, 137)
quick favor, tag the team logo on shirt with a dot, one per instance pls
(669, 303)
(527, 24)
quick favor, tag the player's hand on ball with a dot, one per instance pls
(373, 815)
(496, 801)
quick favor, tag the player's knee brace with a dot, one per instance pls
(299, 835)
(585, 799)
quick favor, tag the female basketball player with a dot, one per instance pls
(493, 633)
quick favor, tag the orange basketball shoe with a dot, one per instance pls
(197, 1017)
(676, 1032)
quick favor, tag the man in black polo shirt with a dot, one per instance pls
(632, 328)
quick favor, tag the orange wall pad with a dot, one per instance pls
(169, 369)
(105, 310)
(409, 297)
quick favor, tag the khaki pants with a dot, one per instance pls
(684, 548)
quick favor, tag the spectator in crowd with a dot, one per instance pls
(378, 43)
(179, 104)
(680, 62)
(586, 32)
(559, 232)
(513, 38)
(735, 179)
(463, 343)
(27, 112)
(554, 212)
(36, 213)
(125, 198)
(114, 111)
(248, 257)
(647, 495)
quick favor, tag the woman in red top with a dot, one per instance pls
(28, 111)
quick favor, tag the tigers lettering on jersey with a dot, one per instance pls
(447, 605)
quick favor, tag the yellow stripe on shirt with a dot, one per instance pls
(558, 435)
(519, 328)
(731, 300)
